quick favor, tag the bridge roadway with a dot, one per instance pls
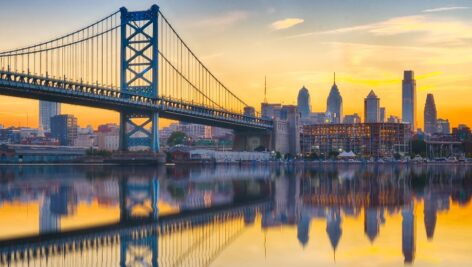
(207, 232)
(77, 93)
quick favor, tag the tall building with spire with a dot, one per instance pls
(335, 103)
(372, 108)
(303, 103)
(430, 115)
(409, 98)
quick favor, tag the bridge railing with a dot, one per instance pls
(160, 103)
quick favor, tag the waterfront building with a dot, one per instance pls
(10, 136)
(430, 115)
(270, 111)
(281, 131)
(26, 136)
(303, 103)
(85, 140)
(462, 132)
(335, 103)
(354, 118)
(192, 130)
(195, 131)
(14, 153)
(86, 137)
(287, 126)
(47, 110)
(315, 118)
(393, 119)
(409, 98)
(371, 108)
(367, 139)
(290, 114)
(443, 126)
(86, 130)
(64, 128)
(108, 137)
(383, 114)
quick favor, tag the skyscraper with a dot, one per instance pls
(303, 102)
(430, 115)
(64, 128)
(382, 114)
(371, 108)
(409, 98)
(335, 103)
(47, 110)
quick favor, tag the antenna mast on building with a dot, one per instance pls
(265, 89)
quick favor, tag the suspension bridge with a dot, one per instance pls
(133, 62)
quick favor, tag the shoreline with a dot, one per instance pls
(122, 162)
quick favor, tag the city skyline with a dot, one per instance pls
(367, 53)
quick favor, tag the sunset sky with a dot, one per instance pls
(367, 43)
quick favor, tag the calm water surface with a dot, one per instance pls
(344, 215)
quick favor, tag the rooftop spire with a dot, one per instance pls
(334, 78)
(265, 89)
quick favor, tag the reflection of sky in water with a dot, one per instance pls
(344, 215)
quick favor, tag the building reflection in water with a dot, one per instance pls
(188, 216)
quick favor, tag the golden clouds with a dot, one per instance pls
(286, 23)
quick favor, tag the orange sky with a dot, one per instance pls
(271, 247)
(296, 45)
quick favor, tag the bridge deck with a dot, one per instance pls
(77, 93)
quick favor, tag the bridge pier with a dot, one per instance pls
(144, 133)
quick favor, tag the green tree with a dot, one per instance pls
(333, 154)
(418, 147)
(278, 155)
(176, 138)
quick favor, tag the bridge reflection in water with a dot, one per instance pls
(214, 206)
(193, 236)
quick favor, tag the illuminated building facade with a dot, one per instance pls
(367, 139)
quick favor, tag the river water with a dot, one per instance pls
(326, 215)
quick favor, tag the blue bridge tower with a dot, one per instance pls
(139, 76)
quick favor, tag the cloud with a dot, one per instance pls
(286, 23)
(441, 9)
(227, 19)
(429, 30)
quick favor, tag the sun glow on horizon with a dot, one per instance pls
(295, 45)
